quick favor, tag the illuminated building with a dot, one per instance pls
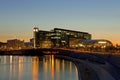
(3, 46)
(58, 37)
(36, 37)
(101, 43)
(15, 44)
(62, 37)
(39, 37)
(32, 40)
(28, 45)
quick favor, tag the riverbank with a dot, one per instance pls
(89, 69)
(84, 73)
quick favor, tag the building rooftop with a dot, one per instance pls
(96, 40)
(69, 30)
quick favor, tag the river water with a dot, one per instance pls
(36, 68)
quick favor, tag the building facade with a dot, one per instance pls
(98, 43)
(15, 44)
(28, 45)
(58, 37)
(2, 46)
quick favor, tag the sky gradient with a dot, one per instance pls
(101, 18)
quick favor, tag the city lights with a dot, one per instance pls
(35, 29)
(102, 42)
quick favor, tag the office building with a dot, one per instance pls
(58, 37)
(2, 46)
(98, 43)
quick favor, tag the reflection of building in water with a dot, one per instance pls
(63, 66)
(45, 68)
(13, 68)
(57, 63)
(11, 73)
(4, 59)
(20, 67)
(11, 59)
(52, 68)
(35, 68)
(70, 67)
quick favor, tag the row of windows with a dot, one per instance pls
(59, 36)
(43, 36)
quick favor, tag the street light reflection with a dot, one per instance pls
(52, 72)
(35, 68)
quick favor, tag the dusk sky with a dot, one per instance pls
(101, 18)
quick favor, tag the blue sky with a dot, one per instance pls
(98, 17)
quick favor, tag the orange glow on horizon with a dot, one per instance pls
(115, 41)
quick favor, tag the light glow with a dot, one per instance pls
(35, 30)
(102, 42)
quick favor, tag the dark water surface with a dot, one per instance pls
(36, 68)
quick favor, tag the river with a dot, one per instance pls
(36, 68)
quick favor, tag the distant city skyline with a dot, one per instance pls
(98, 17)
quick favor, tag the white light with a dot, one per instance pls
(63, 41)
(35, 30)
(80, 45)
(102, 42)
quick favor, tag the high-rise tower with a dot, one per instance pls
(35, 36)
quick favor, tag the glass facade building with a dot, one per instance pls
(101, 43)
(58, 37)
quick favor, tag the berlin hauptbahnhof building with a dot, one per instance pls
(62, 38)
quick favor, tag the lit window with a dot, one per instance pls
(102, 42)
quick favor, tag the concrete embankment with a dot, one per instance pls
(95, 58)
(84, 71)
(113, 59)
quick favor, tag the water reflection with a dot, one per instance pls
(36, 68)
(52, 69)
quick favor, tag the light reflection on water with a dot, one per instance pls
(36, 68)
